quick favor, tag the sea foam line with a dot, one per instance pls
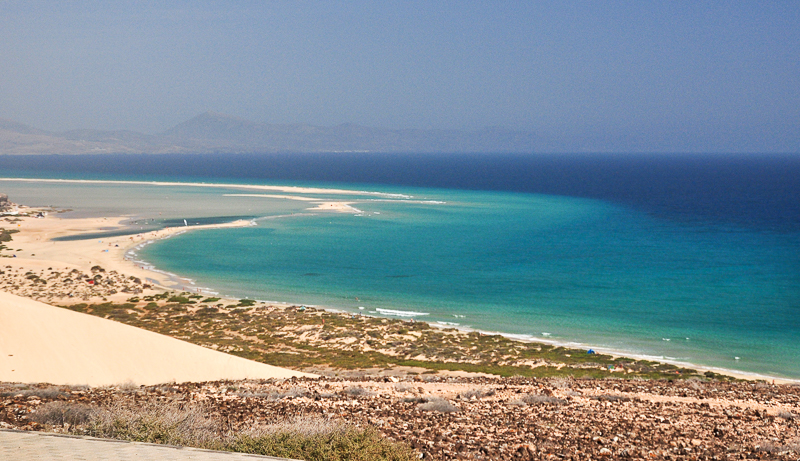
(399, 313)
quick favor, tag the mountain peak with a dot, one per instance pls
(16, 127)
(217, 132)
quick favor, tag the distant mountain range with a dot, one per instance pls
(211, 132)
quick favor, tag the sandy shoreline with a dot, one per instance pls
(43, 343)
(39, 251)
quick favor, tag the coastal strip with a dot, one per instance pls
(116, 257)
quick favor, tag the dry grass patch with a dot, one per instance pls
(358, 391)
(440, 405)
(537, 399)
(476, 393)
(49, 393)
(311, 439)
(62, 414)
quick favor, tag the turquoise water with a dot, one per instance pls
(571, 270)
(555, 268)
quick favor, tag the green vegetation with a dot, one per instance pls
(158, 297)
(303, 338)
(180, 300)
(5, 234)
(339, 443)
(5, 237)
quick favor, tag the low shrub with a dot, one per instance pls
(5, 234)
(165, 424)
(403, 387)
(476, 393)
(537, 399)
(321, 439)
(357, 391)
(180, 300)
(312, 439)
(46, 393)
(439, 404)
(62, 414)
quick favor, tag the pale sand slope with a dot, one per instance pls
(42, 343)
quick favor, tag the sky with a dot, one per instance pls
(718, 76)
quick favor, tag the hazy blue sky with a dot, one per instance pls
(672, 75)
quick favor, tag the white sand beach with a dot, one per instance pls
(38, 250)
(43, 343)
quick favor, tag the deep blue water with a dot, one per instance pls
(692, 257)
(757, 191)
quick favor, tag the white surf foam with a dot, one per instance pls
(399, 313)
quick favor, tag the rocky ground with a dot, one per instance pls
(489, 418)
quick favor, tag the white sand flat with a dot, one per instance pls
(42, 343)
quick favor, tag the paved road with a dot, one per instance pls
(27, 446)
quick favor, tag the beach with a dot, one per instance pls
(137, 336)
(70, 268)
(39, 250)
(50, 344)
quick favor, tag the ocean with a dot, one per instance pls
(686, 258)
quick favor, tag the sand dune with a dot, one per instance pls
(42, 343)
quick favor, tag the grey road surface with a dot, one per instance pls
(28, 446)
